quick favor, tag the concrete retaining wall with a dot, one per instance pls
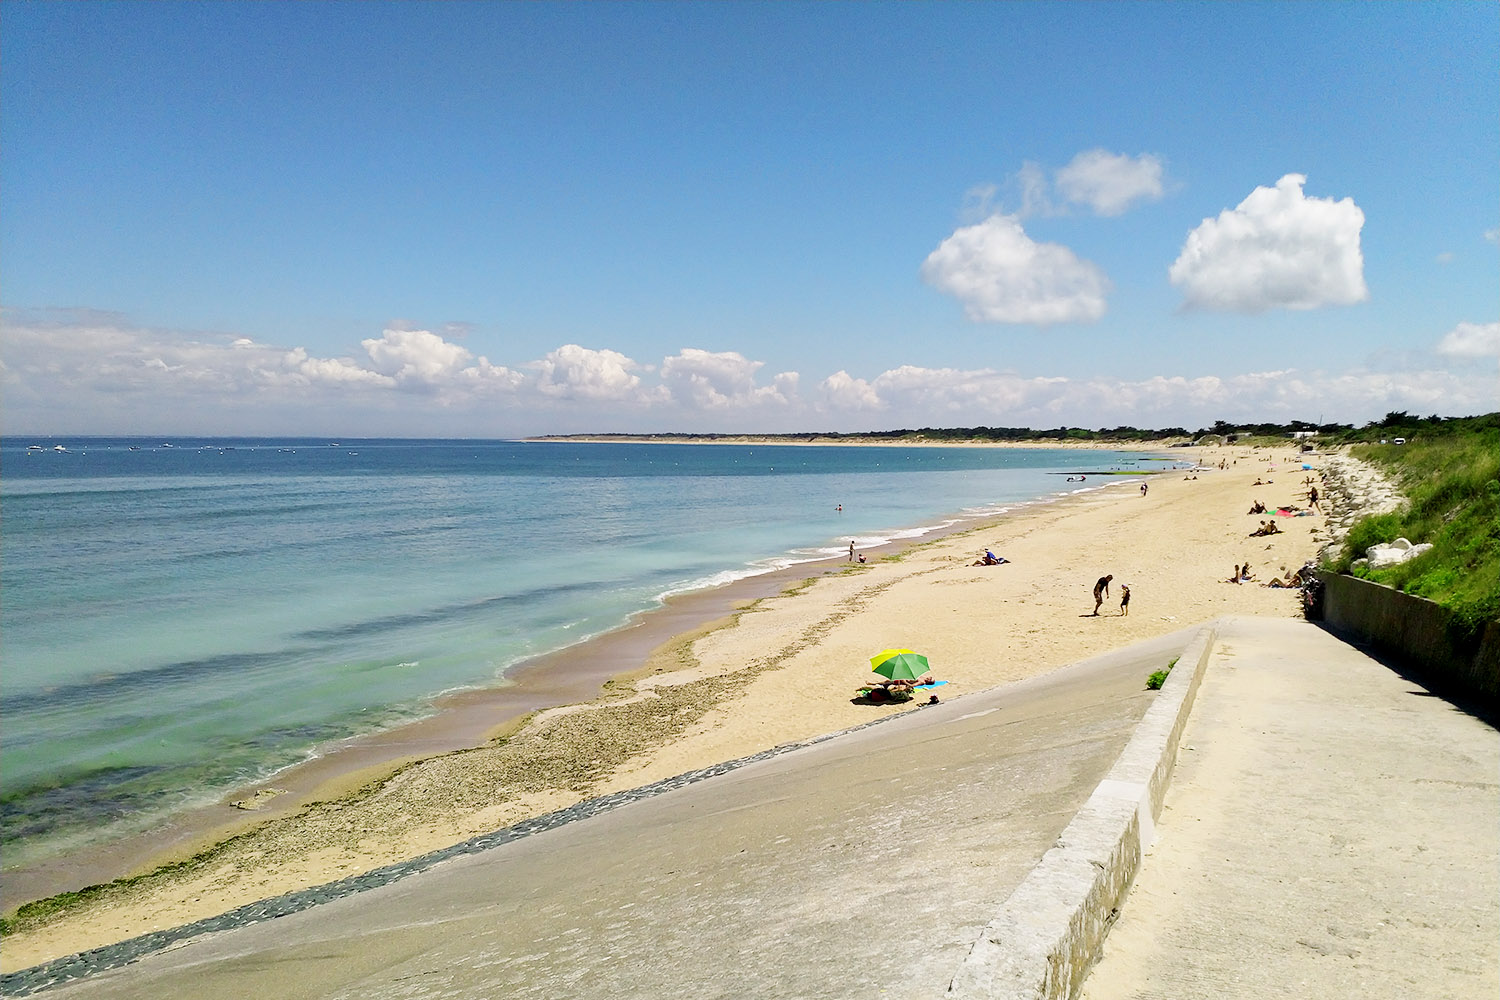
(1414, 630)
(1051, 930)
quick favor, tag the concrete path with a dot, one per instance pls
(1332, 830)
(861, 866)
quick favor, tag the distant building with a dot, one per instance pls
(1299, 435)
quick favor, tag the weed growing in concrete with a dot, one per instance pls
(1156, 680)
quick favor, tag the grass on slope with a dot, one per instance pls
(1453, 485)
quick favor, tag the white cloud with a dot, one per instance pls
(327, 370)
(1104, 182)
(483, 375)
(721, 380)
(912, 397)
(1471, 340)
(1001, 275)
(845, 392)
(419, 355)
(97, 374)
(1276, 249)
(1109, 182)
(1493, 235)
(573, 372)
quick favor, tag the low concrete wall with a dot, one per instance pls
(1051, 930)
(1414, 630)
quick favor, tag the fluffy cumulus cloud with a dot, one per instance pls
(573, 372)
(721, 380)
(417, 355)
(1277, 249)
(1471, 340)
(297, 365)
(1109, 183)
(1001, 275)
(843, 392)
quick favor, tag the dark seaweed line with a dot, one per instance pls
(25, 982)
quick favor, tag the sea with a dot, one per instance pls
(180, 617)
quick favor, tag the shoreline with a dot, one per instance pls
(691, 685)
(821, 441)
(456, 721)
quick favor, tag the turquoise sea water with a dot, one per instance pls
(182, 617)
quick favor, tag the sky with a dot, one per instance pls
(493, 219)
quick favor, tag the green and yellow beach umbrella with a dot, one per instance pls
(899, 664)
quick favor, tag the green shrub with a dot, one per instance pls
(1156, 680)
(1376, 529)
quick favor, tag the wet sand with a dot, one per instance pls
(715, 676)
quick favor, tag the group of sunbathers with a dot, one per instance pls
(884, 690)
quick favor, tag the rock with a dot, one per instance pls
(1394, 553)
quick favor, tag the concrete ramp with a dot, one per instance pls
(865, 864)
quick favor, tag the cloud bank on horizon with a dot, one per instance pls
(75, 372)
(642, 239)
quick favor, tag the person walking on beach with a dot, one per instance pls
(1124, 598)
(1101, 591)
(851, 550)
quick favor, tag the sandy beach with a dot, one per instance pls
(782, 668)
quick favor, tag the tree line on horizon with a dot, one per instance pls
(1397, 423)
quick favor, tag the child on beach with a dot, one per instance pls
(1124, 598)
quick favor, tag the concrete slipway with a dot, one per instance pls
(1334, 832)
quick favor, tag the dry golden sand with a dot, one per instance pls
(781, 671)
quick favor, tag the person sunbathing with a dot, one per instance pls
(1266, 528)
(1300, 578)
(1257, 508)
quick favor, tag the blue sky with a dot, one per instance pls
(497, 219)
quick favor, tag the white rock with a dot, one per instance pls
(1397, 552)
